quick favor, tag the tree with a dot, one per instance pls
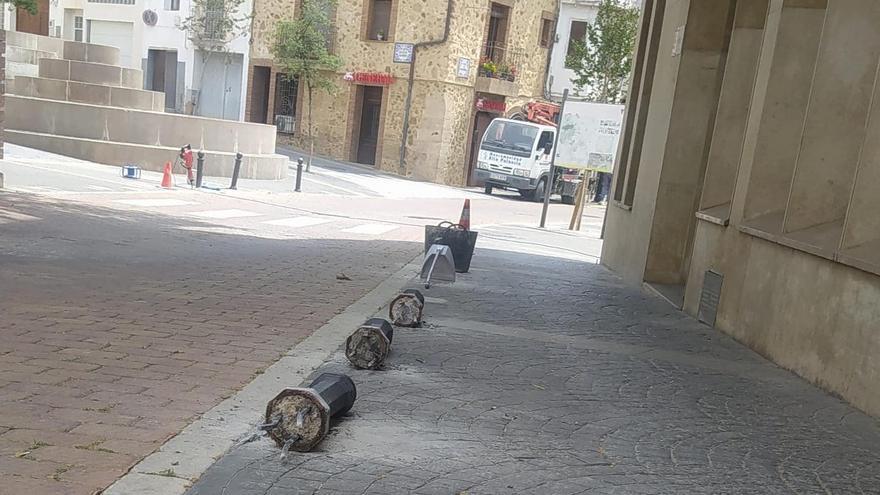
(211, 26)
(301, 49)
(603, 61)
(29, 5)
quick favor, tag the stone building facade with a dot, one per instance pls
(748, 177)
(453, 98)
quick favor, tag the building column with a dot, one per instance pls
(702, 44)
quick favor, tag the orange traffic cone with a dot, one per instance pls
(167, 179)
(466, 215)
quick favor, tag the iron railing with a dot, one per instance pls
(498, 61)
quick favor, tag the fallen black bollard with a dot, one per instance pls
(406, 309)
(369, 346)
(299, 418)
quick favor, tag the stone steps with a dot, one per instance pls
(17, 54)
(87, 52)
(35, 42)
(15, 69)
(92, 73)
(217, 164)
(136, 126)
(94, 94)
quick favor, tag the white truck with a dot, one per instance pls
(516, 154)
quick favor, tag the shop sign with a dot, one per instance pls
(491, 105)
(374, 78)
(403, 53)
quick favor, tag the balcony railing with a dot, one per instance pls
(216, 25)
(497, 61)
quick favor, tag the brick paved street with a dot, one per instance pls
(120, 327)
(538, 375)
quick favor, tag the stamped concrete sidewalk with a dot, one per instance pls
(539, 375)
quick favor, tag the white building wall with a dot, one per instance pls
(165, 35)
(569, 11)
(7, 12)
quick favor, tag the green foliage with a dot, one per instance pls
(602, 63)
(302, 50)
(213, 24)
(29, 5)
(210, 27)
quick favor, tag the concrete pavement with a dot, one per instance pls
(130, 311)
(542, 375)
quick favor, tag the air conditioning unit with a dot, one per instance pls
(286, 124)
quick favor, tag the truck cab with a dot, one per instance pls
(516, 154)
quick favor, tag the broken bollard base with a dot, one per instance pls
(299, 418)
(369, 346)
(406, 309)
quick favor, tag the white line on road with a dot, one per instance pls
(98, 188)
(115, 181)
(9, 216)
(298, 222)
(371, 229)
(311, 178)
(226, 214)
(36, 189)
(153, 202)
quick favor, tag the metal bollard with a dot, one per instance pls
(406, 309)
(200, 168)
(236, 171)
(370, 344)
(299, 174)
(299, 418)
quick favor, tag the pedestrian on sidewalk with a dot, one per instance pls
(603, 186)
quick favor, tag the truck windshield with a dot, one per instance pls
(517, 138)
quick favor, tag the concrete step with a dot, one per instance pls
(16, 54)
(35, 42)
(122, 125)
(92, 73)
(15, 69)
(95, 94)
(217, 164)
(88, 52)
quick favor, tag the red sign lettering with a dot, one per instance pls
(374, 78)
(491, 105)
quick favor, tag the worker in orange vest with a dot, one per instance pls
(186, 158)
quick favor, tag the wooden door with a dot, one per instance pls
(371, 113)
(38, 23)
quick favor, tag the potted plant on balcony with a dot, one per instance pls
(488, 68)
(504, 71)
(380, 35)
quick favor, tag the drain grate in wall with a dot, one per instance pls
(711, 297)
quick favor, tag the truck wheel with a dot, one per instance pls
(538, 194)
(568, 200)
(488, 189)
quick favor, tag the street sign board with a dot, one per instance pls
(464, 68)
(403, 53)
